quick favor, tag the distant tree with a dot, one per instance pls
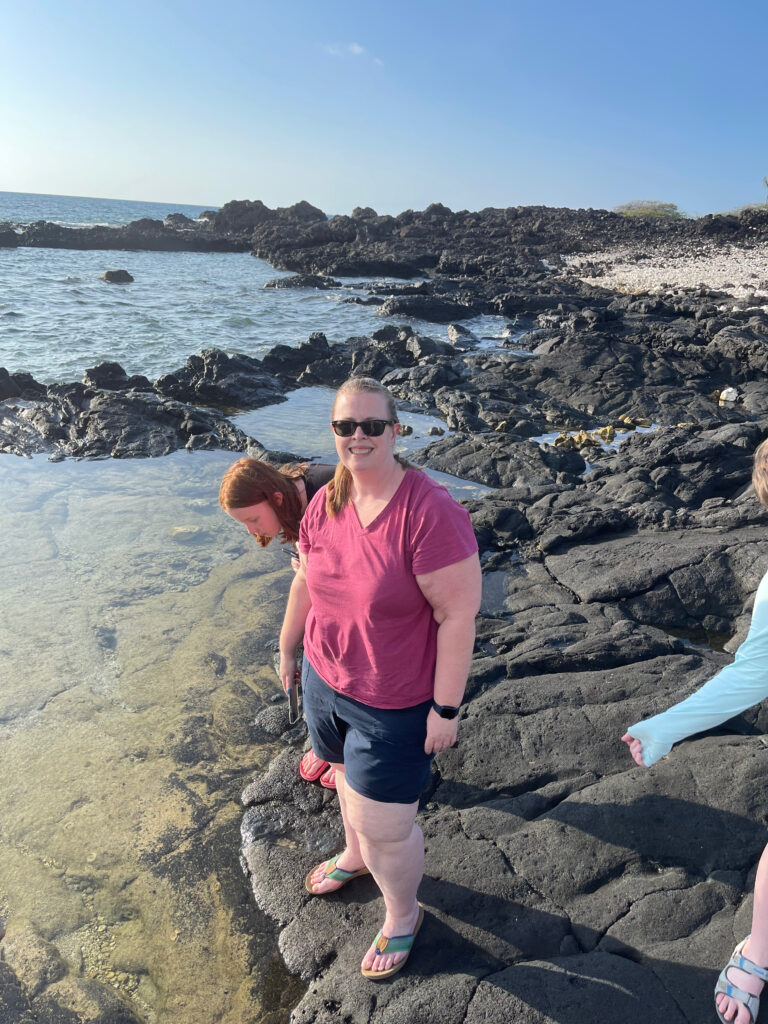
(650, 209)
(765, 185)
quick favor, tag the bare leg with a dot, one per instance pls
(392, 847)
(351, 857)
(755, 949)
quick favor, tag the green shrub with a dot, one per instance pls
(649, 209)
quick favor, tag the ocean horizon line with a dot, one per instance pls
(108, 199)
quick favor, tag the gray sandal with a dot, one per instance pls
(724, 987)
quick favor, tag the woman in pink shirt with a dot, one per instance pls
(385, 601)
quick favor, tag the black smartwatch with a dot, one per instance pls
(444, 710)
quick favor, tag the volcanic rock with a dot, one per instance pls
(303, 281)
(116, 277)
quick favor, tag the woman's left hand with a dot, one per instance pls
(441, 733)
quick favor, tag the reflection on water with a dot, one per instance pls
(135, 617)
(698, 637)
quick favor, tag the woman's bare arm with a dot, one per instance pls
(454, 593)
(297, 609)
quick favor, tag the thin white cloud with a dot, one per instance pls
(355, 49)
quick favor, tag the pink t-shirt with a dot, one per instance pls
(370, 633)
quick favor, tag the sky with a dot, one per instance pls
(394, 105)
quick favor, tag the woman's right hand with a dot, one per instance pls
(289, 671)
(635, 748)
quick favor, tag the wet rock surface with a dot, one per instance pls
(146, 234)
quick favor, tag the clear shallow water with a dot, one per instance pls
(132, 669)
(607, 446)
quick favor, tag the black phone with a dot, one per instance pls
(293, 704)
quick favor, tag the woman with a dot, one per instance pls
(269, 503)
(738, 686)
(385, 599)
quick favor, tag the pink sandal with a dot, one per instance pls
(328, 779)
(311, 767)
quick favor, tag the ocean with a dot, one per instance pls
(135, 621)
(85, 211)
(57, 318)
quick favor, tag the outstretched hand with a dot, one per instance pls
(635, 748)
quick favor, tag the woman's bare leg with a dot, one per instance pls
(351, 857)
(392, 847)
(755, 949)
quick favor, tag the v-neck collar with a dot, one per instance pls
(378, 516)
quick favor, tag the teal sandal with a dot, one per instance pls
(726, 988)
(394, 944)
(335, 874)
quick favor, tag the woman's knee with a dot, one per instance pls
(377, 822)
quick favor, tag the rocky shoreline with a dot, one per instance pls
(563, 884)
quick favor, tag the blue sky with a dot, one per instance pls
(391, 105)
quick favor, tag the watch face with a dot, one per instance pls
(449, 712)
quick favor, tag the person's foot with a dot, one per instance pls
(393, 926)
(732, 1009)
(318, 881)
(311, 767)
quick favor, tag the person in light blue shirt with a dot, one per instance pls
(734, 689)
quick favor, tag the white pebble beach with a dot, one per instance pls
(741, 273)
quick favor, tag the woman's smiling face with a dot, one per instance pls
(360, 453)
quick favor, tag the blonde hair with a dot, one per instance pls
(338, 491)
(760, 473)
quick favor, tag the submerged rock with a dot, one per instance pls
(116, 277)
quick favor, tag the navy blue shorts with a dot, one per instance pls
(382, 750)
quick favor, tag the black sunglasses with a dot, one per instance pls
(371, 428)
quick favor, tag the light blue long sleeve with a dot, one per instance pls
(734, 689)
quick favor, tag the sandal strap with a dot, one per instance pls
(338, 874)
(744, 964)
(750, 1001)
(393, 943)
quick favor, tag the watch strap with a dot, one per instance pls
(445, 710)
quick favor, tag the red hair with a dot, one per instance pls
(250, 481)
